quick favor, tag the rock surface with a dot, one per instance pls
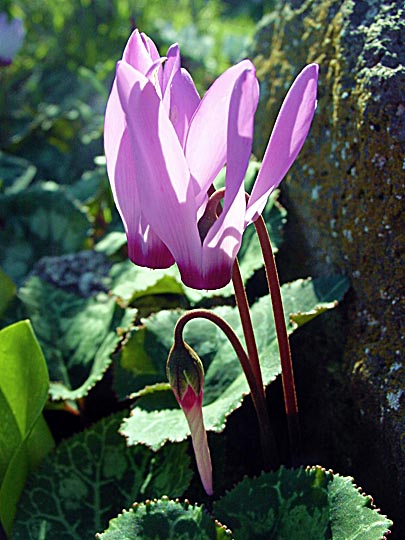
(345, 199)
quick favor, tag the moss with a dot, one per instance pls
(345, 193)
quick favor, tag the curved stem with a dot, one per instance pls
(227, 330)
(287, 374)
(270, 455)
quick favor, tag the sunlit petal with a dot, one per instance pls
(164, 186)
(144, 247)
(288, 136)
(184, 100)
(206, 144)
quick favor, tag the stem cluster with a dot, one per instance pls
(249, 357)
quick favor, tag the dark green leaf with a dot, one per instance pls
(301, 504)
(90, 478)
(42, 220)
(165, 520)
(78, 335)
(15, 173)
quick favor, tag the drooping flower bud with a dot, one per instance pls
(186, 377)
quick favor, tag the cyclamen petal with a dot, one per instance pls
(144, 247)
(223, 240)
(207, 141)
(164, 186)
(184, 100)
(194, 417)
(288, 136)
(137, 54)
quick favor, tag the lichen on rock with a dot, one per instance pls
(345, 192)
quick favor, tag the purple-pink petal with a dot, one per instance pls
(206, 144)
(136, 53)
(171, 67)
(288, 136)
(184, 100)
(223, 240)
(144, 247)
(164, 186)
(202, 454)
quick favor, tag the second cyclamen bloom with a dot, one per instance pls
(165, 147)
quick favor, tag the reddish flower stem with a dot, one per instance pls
(214, 208)
(270, 455)
(246, 320)
(287, 374)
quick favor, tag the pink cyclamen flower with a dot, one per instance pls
(12, 35)
(165, 147)
(186, 377)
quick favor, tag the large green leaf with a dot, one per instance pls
(90, 478)
(225, 385)
(24, 435)
(301, 504)
(78, 335)
(41, 220)
(131, 282)
(165, 519)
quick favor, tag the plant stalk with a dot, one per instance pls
(287, 374)
(246, 320)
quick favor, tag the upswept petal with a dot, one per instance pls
(164, 186)
(223, 240)
(206, 144)
(144, 247)
(171, 67)
(136, 53)
(288, 136)
(184, 100)
(154, 54)
(150, 47)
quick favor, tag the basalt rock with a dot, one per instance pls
(345, 199)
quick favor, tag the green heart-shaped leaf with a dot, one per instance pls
(91, 477)
(78, 335)
(171, 520)
(301, 504)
